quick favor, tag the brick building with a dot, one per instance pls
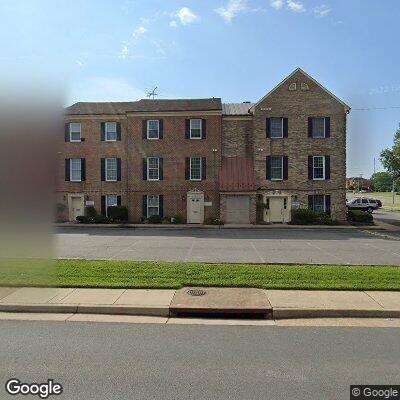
(246, 162)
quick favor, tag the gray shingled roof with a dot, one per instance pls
(145, 105)
(236, 108)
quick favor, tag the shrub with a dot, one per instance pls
(359, 216)
(213, 221)
(82, 219)
(154, 219)
(117, 213)
(166, 220)
(100, 219)
(90, 212)
(305, 216)
(178, 219)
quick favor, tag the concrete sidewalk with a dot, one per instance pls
(276, 304)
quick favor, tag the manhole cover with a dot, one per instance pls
(196, 292)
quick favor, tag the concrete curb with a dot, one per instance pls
(164, 311)
(288, 313)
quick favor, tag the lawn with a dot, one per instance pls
(145, 274)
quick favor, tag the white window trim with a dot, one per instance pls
(105, 167)
(312, 133)
(277, 179)
(158, 204)
(324, 201)
(201, 129)
(80, 132)
(70, 170)
(116, 204)
(105, 133)
(201, 170)
(148, 168)
(278, 137)
(148, 129)
(323, 168)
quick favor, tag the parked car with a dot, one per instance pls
(377, 201)
(363, 204)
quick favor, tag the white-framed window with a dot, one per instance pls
(319, 203)
(75, 165)
(195, 168)
(318, 167)
(111, 169)
(276, 128)
(153, 205)
(195, 129)
(318, 127)
(111, 201)
(111, 131)
(276, 168)
(74, 132)
(153, 129)
(153, 168)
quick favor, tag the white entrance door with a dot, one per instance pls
(195, 207)
(76, 207)
(238, 209)
(276, 209)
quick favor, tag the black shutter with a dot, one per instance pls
(144, 206)
(103, 131)
(145, 169)
(67, 169)
(285, 127)
(161, 205)
(118, 169)
(268, 127)
(309, 127)
(144, 129)
(310, 167)
(285, 167)
(103, 205)
(187, 168)
(83, 169)
(203, 128)
(268, 167)
(119, 200)
(328, 204)
(187, 128)
(311, 202)
(160, 169)
(119, 131)
(327, 167)
(66, 132)
(203, 168)
(327, 127)
(161, 129)
(103, 169)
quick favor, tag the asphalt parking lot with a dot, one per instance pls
(274, 245)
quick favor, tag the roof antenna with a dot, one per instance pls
(152, 93)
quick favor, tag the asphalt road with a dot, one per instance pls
(327, 246)
(390, 217)
(134, 361)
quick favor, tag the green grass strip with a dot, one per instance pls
(146, 274)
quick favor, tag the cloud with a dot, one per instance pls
(173, 24)
(139, 32)
(277, 4)
(322, 10)
(232, 9)
(186, 16)
(124, 52)
(295, 7)
(79, 63)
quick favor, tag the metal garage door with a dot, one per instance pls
(238, 209)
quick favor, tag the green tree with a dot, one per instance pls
(381, 182)
(390, 157)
